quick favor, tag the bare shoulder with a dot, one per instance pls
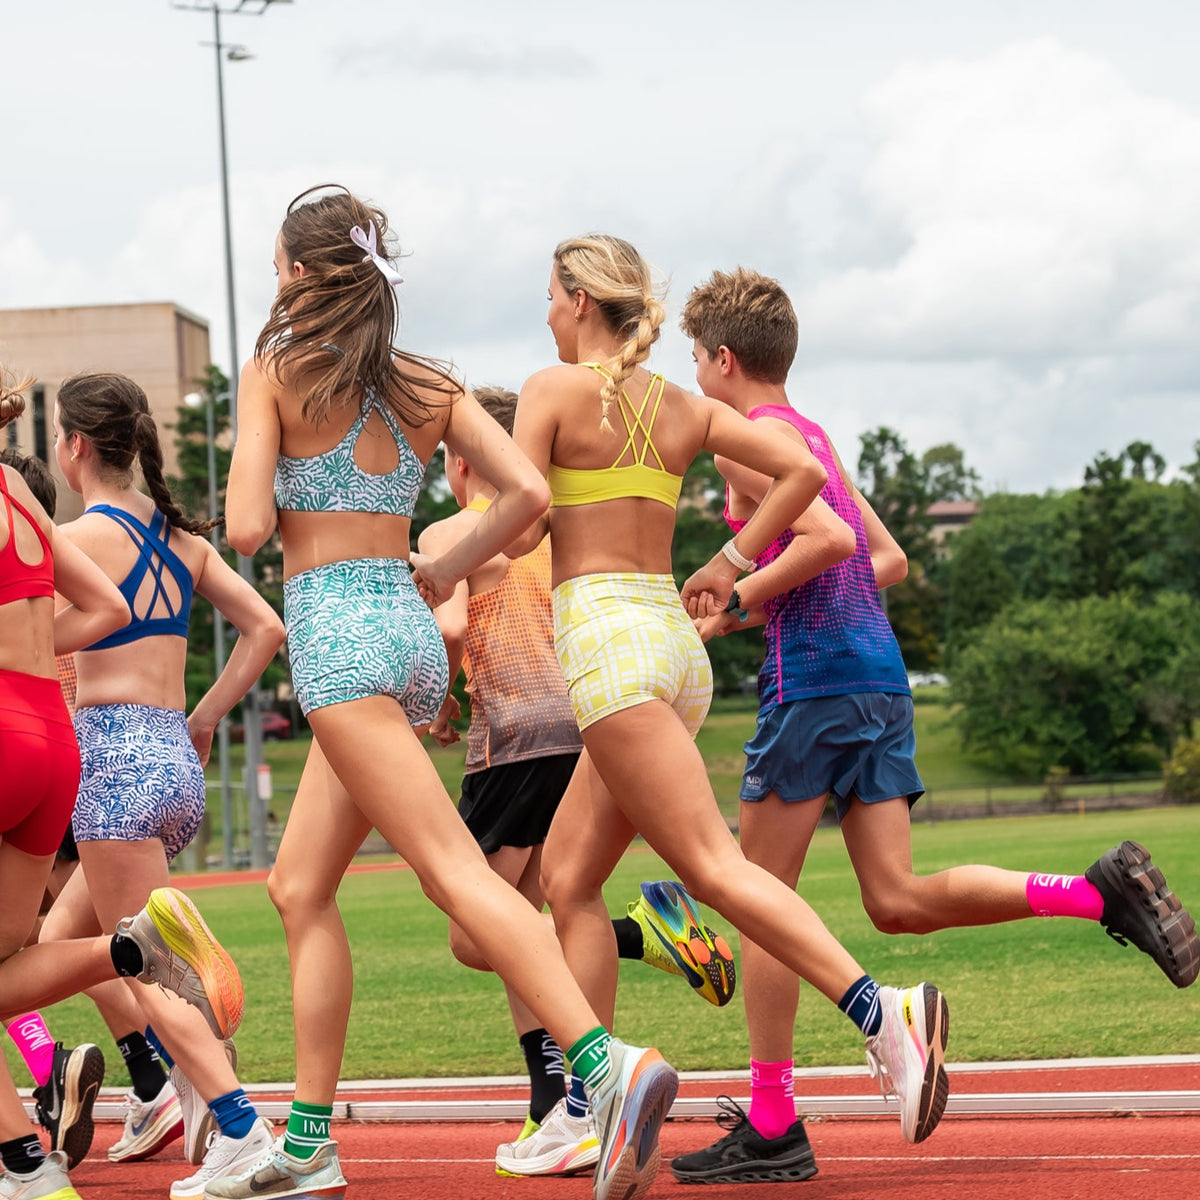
(690, 405)
(563, 377)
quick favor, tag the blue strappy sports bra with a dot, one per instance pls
(154, 558)
(334, 482)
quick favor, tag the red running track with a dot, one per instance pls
(989, 1158)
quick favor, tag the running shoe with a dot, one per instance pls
(277, 1173)
(676, 940)
(743, 1155)
(527, 1130)
(629, 1106)
(908, 1056)
(48, 1182)
(226, 1156)
(562, 1145)
(149, 1126)
(199, 1124)
(64, 1104)
(180, 954)
(1140, 908)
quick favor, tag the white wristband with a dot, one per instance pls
(738, 559)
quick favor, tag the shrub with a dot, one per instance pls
(1181, 776)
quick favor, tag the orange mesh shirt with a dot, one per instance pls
(519, 705)
(68, 679)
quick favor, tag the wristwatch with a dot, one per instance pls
(735, 606)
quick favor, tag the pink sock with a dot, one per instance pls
(36, 1045)
(772, 1098)
(1063, 896)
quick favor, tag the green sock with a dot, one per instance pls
(307, 1129)
(589, 1056)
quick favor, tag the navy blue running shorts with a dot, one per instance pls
(856, 745)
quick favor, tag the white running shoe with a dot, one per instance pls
(149, 1125)
(908, 1056)
(226, 1156)
(278, 1174)
(562, 1145)
(199, 1124)
(48, 1182)
(629, 1106)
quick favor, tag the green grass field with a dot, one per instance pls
(1028, 990)
(949, 775)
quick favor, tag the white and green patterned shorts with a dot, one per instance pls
(359, 628)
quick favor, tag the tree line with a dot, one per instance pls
(1068, 622)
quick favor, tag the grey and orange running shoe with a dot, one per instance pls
(630, 1105)
(180, 954)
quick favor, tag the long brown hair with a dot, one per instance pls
(346, 340)
(112, 413)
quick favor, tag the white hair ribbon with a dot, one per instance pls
(369, 243)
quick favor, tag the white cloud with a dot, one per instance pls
(1048, 210)
(987, 243)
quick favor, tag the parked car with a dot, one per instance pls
(927, 679)
(275, 727)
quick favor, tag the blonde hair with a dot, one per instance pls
(618, 280)
(751, 315)
(12, 403)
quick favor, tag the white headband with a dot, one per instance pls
(369, 243)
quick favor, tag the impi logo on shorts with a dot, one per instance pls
(754, 781)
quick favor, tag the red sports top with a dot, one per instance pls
(20, 580)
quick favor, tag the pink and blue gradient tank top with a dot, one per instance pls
(828, 637)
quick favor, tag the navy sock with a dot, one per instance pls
(159, 1048)
(861, 1005)
(577, 1101)
(234, 1113)
(145, 1070)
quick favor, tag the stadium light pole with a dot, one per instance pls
(259, 854)
(195, 400)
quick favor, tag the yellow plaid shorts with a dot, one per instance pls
(623, 639)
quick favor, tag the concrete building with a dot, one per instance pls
(160, 345)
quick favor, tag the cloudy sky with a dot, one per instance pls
(985, 211)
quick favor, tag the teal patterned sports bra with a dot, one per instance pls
(334, 482)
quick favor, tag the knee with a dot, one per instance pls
(565, 889)
(297, 899)
(465, 951)
(895, 912)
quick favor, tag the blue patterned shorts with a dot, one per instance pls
(141, 777)
(359, 628)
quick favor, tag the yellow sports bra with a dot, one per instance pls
(572, 485)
